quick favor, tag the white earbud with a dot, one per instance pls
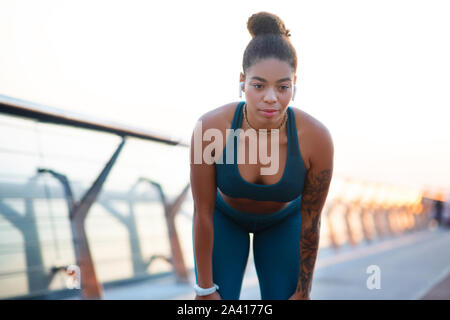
(240, 88)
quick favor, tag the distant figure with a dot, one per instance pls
(282, 209)
(438, 207)
(446, 211)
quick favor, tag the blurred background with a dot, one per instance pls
(98, 101)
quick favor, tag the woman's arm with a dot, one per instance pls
(314, 194)
(204, 188)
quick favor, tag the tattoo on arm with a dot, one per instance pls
(313, 199)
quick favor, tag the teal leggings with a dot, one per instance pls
(276, 238)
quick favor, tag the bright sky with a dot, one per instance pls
(376, 73)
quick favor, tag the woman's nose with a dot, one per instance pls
(270, 96)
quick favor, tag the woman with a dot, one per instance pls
(234, 198)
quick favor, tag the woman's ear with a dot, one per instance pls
(241, 77)
(241, 84)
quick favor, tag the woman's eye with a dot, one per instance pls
(260, 86)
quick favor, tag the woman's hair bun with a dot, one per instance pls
(266, 23)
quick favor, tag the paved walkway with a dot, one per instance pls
(441, 291)
(412, 266)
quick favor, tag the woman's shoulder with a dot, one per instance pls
(220, 117)
(313, 135)
(308, 126)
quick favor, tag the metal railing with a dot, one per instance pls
(78, 210)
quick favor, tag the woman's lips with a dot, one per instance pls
(269, 112)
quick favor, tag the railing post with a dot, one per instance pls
(332, 232)
(91, 288)
(170, 210)
(364, 216)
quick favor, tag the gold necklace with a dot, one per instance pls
(246, 120)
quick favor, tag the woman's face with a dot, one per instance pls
(268, 90)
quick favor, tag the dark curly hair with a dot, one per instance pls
(270, 39)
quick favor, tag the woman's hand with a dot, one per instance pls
(297, 296)
(213, 296)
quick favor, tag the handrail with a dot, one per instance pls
(42, 113)
(78, 210)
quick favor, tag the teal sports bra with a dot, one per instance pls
(288, 188)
